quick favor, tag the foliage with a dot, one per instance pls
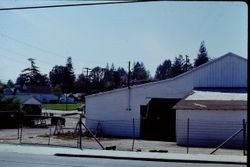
(57, 91)
(69, 77)
(32, 76)
(139, 73)
(81, 84)
(202, 56)
(163, 71)
(63, 76)
(9, 104)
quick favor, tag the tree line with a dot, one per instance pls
(62, 78)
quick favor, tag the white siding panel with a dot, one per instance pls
(113, 107)
(209, 128)
(228, 72)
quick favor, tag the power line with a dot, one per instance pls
(72, 5)
(25, 55)
(29, 45)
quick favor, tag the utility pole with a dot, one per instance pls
(186, 62)
(129, 74)
(87, 70)
(87, 77)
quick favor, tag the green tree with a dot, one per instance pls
(63, 76)
(96, 78)
(32, 76)
(163, 71)
(187, 66)
(178, 66)
(9, 104)
(108, 77)
(55, 76)
(69, 76)
(202, 56)
(139, 73)
(120, 78)
(57, 90)
(82, 84)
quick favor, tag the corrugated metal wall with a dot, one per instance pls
(209, 128)
(230, 71)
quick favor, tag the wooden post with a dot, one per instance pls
(49, 135)
(244, 137)
(80, 128)
(133, 135)
(187, 135)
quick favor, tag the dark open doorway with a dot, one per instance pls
(158, 120)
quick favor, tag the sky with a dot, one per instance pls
(93, 36)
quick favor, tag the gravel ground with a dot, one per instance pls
(41, 136)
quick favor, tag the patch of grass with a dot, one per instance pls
(67, 136)
(60, 106)
(44, 135)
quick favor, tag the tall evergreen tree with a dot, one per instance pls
(163, 71)
(202, 56)
(32, 76)
(120, 78)
(69, 76)
(178, 66)
(187, 66)
(63, 76)
(139, 72)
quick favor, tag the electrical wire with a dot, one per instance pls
(73, 5)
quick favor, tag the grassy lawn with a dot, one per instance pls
(60, 106)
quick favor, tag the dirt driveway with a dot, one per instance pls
(45, 136)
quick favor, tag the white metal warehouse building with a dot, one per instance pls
(151, 105)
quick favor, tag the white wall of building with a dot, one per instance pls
(110, 109)
(209, 128)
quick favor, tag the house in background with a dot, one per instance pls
(42, 93)
(28, 104)
(146, 110)
(207, 117)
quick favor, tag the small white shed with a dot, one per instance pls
(208, 117)
(126, 112)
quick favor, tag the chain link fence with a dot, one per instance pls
(70, 131)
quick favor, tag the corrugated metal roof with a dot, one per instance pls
(215, 99)
(211, 105)
(217, 95)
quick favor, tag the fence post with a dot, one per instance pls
(18, 124)
(133, 135)
(21, 134)
(80, 128)
(244, 137)
(49, 135)
(187, 135)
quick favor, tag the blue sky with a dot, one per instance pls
(97, 35)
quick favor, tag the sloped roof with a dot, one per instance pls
(211, 105)
(38, 89)
(214, 99)
(24, 99)
(174, 78)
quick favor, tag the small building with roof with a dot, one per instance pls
(42, 93)
(28, 104)
(208, 117)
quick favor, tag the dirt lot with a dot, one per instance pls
(45, 136)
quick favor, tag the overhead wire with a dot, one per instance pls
(25, 56)
(73, 5)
